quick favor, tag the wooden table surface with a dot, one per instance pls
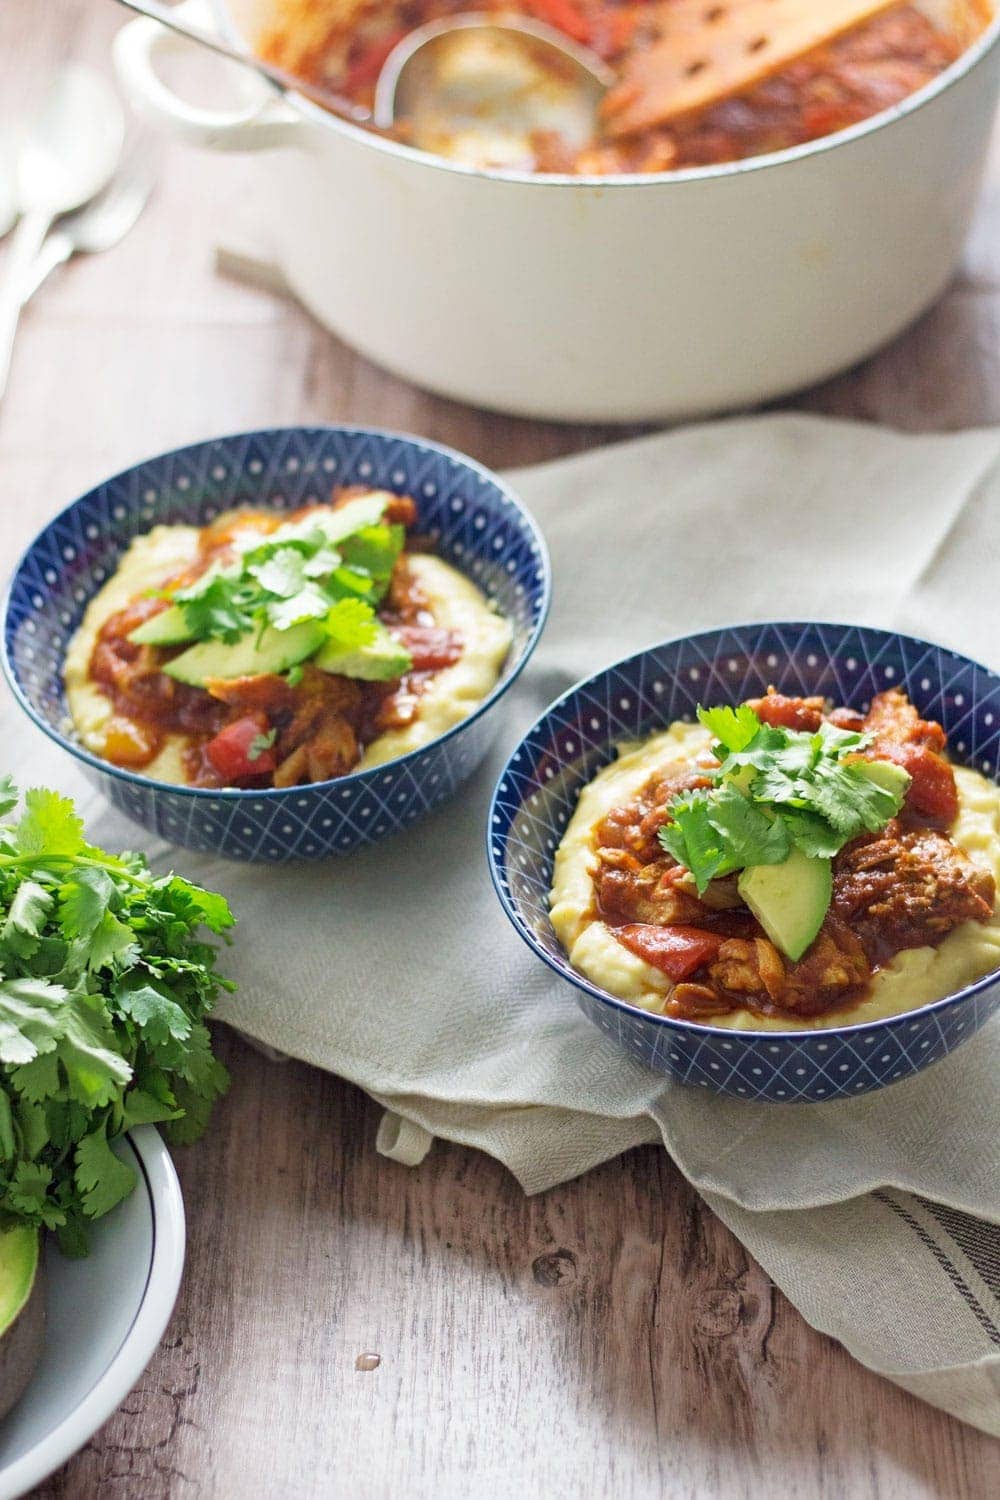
(607, 1337)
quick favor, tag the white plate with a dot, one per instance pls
(105, 1316)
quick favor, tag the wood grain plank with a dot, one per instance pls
(607, 1337)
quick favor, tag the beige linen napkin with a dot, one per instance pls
(397, 969)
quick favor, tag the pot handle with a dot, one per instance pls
(266, 122)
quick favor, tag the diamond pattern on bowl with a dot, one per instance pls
(476, 522)
(539, 787)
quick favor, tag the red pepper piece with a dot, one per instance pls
(676, 951)
(230, 752)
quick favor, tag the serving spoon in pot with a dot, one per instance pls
(468, 86)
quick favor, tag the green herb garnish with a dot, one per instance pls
(775, 790)
(333, 568)
(104, 987)
(260, 743)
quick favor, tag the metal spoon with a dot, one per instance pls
(67, 155)
(8, 206)
(100, 224)
(477, 89)
(468, 86)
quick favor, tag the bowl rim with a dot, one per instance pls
(275, 794)
(670, 1023)
(964, 64)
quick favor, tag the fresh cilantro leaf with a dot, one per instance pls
(31, 1013)
(223, 611)
(749, 836)
(811, 834)
(322, 563)
(351, 624)
(28, 1191)
(49, 825)
(734, 728)
(852, 801)
(840, 740)
(153, 1010)
(112, 943)
(29, 908)
(280, 571)
(95, 1069)
(310, 603)
(8, 795)
(83, 900)
(144, 1109)
(38, 1079)
(196, 1101)
(260, 743)
(103, 1180)
(758, 754)
(693, 841)
(294, 675)
(192, 904)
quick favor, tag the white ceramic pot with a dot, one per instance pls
(618, 299)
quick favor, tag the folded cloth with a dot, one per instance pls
(397, 969)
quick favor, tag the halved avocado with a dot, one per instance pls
(379, 660)
(789, 900)
(271, 651)
(22, 1312)
(168, 628)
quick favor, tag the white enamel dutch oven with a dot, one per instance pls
(590, 299)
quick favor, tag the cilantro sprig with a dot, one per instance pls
(105, 984)
(334, 568)
(774, 790)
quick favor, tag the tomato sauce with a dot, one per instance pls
(867, 70)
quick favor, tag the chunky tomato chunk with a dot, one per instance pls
(932, 792)
(239, 750)
(676, 951)
(430, 646)
(788, 713)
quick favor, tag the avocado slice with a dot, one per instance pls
(354, 515)
(168, 628)
(379, 660)
(885, 773)
(789, 900)
(270, 651)
(22, 1312)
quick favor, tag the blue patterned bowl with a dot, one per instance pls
(476, 522)
(538, 789)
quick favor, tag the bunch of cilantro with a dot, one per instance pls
(104, 989)
(335, 570)
(775, 789)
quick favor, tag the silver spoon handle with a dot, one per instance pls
(284, 80)
(29, 236)
(55, 252)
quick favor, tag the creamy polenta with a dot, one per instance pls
(912, 978)
(445, 698)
